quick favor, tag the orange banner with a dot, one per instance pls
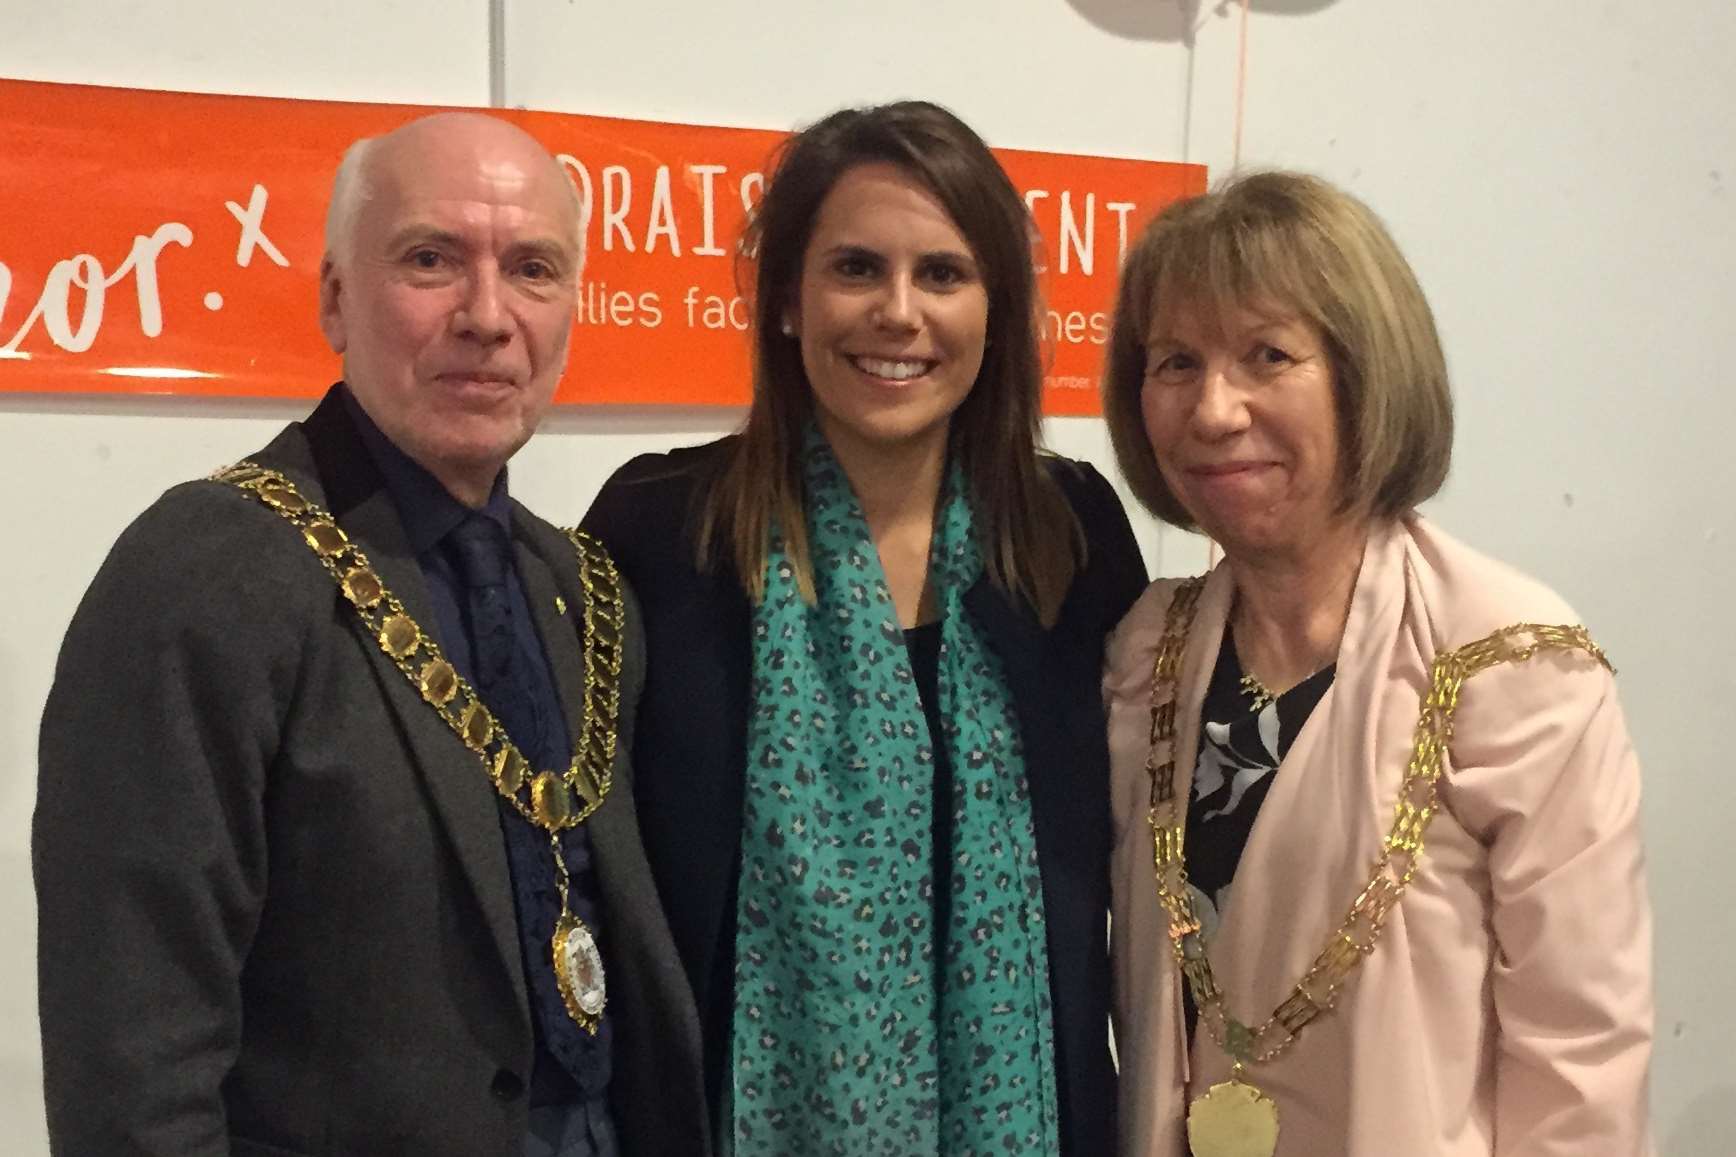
(156, 242)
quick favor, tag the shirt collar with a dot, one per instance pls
(426, 508)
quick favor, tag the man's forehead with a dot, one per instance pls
(466, 156)
(474, 179)
(480, 210)
(514, 203)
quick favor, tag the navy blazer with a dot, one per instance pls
(689, 754)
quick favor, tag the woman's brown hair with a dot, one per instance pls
(1030, 539)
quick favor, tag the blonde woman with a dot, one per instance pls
(1378, 876)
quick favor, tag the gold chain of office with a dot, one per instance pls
(1401, 852)
(552, 800)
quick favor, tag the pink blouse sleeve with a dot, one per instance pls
(1546, 776)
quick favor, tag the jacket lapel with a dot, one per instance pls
(1023, 647)
(537, 568)
(549, 567)
(461, 794)
(1018, 638)
(1326, 813)
(707, 642)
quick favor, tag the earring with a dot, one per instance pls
(788, 328)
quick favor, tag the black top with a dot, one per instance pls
(1240, 750)
(923, 643)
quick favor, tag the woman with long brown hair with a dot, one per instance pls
(871, 768)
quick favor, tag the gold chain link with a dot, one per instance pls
(554, 801)
(1400, 855)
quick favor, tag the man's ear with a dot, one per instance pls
(331, 312)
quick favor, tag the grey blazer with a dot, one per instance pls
(274, 908)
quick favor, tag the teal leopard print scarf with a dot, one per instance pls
(859, 1027)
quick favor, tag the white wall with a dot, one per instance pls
(1558, 173)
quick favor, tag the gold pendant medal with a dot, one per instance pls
(579, 972)
(1233, 1119)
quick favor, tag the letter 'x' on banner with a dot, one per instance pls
(251, 232)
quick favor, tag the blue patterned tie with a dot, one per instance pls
(481, 548)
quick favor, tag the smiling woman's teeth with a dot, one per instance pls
(898, 371)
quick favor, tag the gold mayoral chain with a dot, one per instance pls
(1234, 1118)
(552, 800)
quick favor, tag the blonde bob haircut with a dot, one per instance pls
(1279, 243)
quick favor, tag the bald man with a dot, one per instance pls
(334, 845)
